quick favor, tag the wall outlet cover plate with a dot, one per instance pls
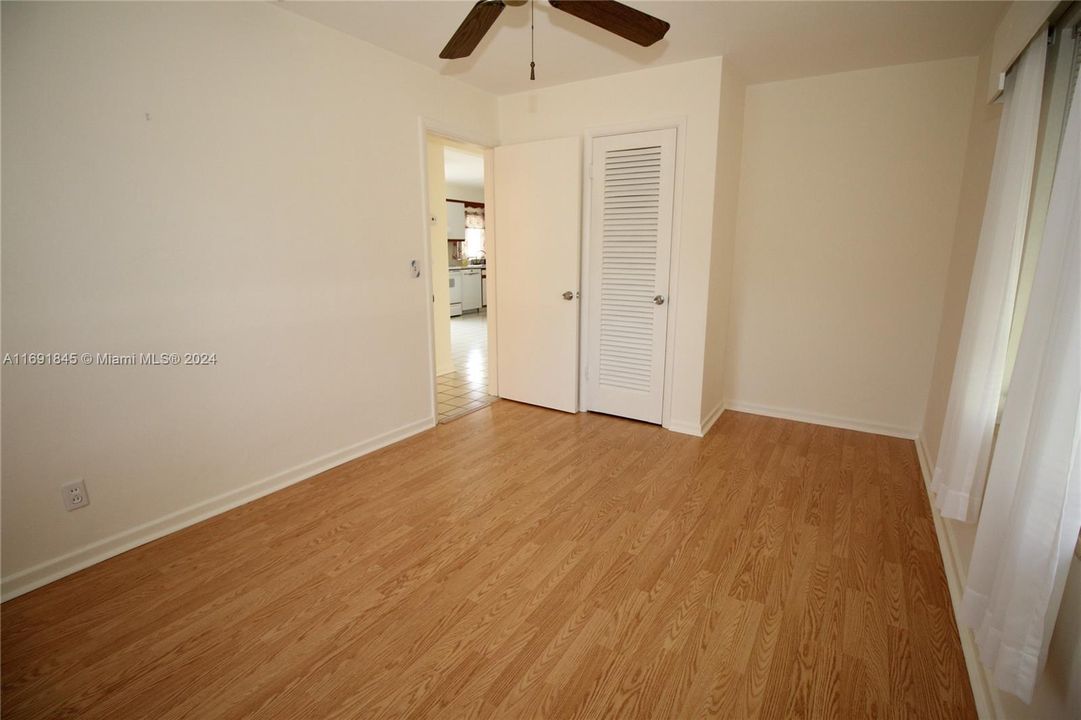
(74, 495)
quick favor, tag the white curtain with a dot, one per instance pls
(474, 217)
(1032, 509)
(961, 469)
(474, 232)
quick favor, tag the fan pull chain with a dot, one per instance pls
(532, 65)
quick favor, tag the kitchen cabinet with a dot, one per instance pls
(455, 220)
(471, 290)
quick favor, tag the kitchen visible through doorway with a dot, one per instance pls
(462, 379)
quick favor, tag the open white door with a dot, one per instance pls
(537, 229)
(631, 196)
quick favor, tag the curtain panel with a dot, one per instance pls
(1032, 509)
(961, 467)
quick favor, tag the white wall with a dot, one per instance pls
(686, 90)
(725, 208)
(847, 205)
(215, 178)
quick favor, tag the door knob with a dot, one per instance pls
(658, 299)
(568, 295)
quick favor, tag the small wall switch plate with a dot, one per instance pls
(75, 495)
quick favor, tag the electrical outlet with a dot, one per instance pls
(75, 495)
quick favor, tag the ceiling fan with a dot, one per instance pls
(615, 17)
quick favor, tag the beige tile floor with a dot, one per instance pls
(465, 389)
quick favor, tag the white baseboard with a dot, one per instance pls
(698, 429)
(686, 428)
(712, 417)
(827, 420)
(988, 703)
(44, 573)
(925, 463)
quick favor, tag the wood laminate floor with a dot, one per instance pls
(521, 562)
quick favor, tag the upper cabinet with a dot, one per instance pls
(455, 220)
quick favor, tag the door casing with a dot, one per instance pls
(426, 126)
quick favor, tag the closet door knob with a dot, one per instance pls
(568, 295)
(658, 299)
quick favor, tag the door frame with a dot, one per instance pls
(428, 126)
(679, 123)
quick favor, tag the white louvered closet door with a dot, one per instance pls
(632, 182)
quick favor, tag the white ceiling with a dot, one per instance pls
(764, 40)
(463, 168)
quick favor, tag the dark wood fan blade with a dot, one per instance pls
(615, 17)
(471, 31)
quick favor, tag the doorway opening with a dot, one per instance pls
(459, 244)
